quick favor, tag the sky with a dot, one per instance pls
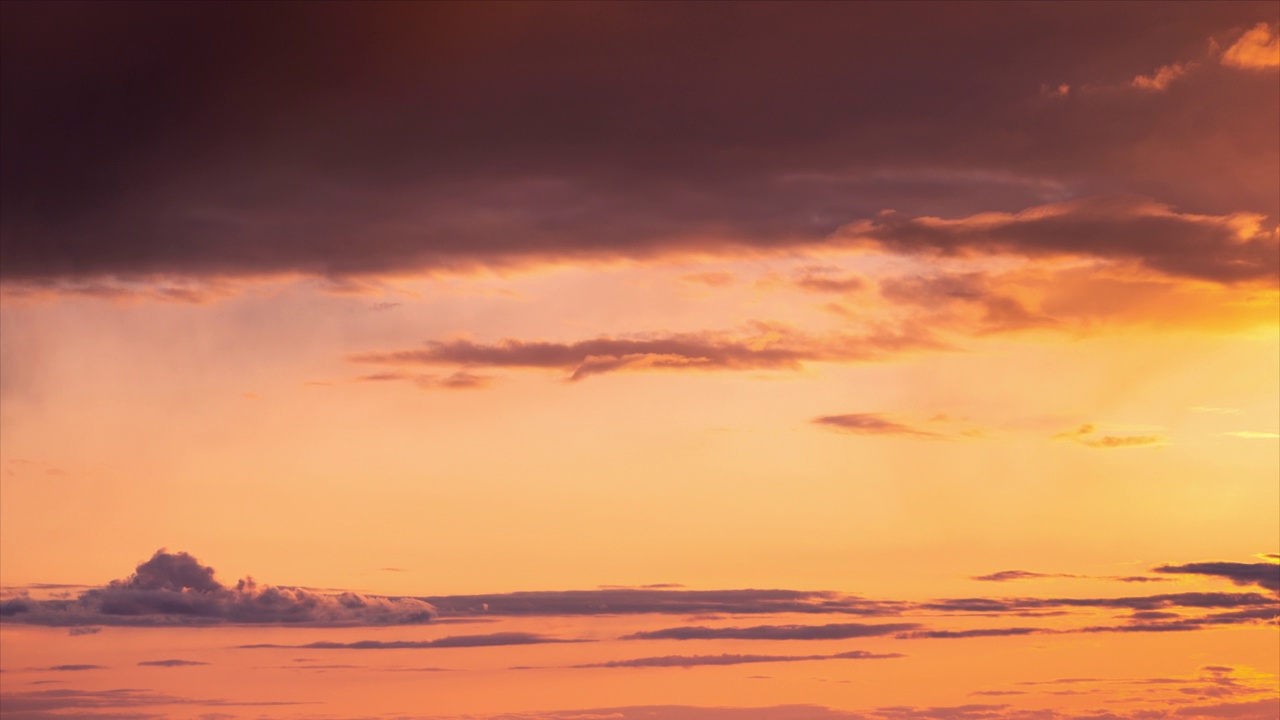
(640, 361)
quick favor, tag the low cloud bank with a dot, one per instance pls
(176, 589)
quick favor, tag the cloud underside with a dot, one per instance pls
(426, 154)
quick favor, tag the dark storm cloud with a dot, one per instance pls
(1263, 574)
(339, 139)
(761, 346)
(870, 424)
(837, 631)
(176, 589)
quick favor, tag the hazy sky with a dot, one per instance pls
(658, 361)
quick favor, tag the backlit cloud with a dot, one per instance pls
(1257, 49)
(1087, 434)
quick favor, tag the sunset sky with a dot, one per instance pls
(656, 361)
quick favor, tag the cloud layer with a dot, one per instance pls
(338, 155)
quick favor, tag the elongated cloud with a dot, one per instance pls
(1008, 575)
(979, 632)
(837, 631)
(1011, 575)
(685, 661)
(634, 601)
(871, 424)
(1087, 434)
(1263, 574)
(453, 641)
(1220, 248)
(176, 589)
(763, 346)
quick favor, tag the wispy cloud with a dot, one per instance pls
(760, 346)
(872, 424)
(1088, 435)
(837, 631)
(685, 661)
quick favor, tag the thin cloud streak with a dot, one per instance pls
(871, 424)
(687, 661)
(839, 631)
(764, 346)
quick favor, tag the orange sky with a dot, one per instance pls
(529, 328)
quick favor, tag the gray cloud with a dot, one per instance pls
(836, 631)
(453, 641)
(685, 661)
(763, 346)
(1008, 575)
(1000, 311)
(980, 632)
(1263, 574)
(632, 601)
(871, 424)
(1123, 228)
(89, 704)
(175, 589)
